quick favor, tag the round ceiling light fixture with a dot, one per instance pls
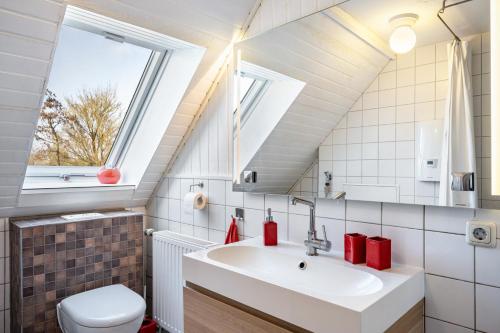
(403, 37)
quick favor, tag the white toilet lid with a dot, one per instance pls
(104, 307)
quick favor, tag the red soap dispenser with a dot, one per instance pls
(270, 230)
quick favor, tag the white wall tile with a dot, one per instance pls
(387, 115)
(253, 222)
(254, 201)
(298, 226)
(355, 119)
(409, 216)
(330, 208)
(370, 100)
(387, 150)
(174, 188)
(406, 244)
(363, 211)
(217, 217)
(234, 199)
(217, 192)
(335, 230)
(449, 255)
(405, 95)
(425, 73)
(487, 306)
(425, 54)
(406, 77)
(405, 113)
(488, 265)
(387, 98)
(368, 229)
(447, 219)
(438, 326)
(370, 151)
(449, 300)
(387, 80)
(174, 209)
(406, 60)
(278, 203)
(387, 133)
(370, 117)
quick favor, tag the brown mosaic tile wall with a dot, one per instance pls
(53, 259)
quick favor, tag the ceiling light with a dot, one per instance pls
(403, 37)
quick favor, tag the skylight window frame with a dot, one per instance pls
(252, 96)
(157, 62)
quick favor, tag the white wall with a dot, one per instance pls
(430, 237)
(375, 142)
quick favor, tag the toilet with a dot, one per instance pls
(110, 309)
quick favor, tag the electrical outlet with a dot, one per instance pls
(481, 233)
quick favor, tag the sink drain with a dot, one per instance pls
(302, 265)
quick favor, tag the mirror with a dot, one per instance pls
(327, 108)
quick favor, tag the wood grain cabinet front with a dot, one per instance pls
(209, 312)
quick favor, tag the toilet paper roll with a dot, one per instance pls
(194, 200)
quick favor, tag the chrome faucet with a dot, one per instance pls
(313, 243)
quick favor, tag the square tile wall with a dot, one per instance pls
(426, 236)
(378, 133)
(53, 259)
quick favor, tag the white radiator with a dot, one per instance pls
(168, 249)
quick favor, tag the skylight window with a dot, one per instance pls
(96, 91)
(251, 90)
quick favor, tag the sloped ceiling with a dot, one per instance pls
(28, 35)
(337, 67)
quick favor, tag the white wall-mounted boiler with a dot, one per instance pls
(428, 145)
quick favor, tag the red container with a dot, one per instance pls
(270, 233)
(355, 248)
(378, 253)
(148, 325)
(108, 175)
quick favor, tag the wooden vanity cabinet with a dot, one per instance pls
(209, 312)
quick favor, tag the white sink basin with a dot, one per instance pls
(328, 295)
(334, 280)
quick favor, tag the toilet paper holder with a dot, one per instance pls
(200, 185)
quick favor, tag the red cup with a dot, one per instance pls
(355, 248)
(378, 253)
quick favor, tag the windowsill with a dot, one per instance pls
(71, 186)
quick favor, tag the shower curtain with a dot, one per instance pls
(458, 152)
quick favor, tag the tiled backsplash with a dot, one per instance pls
(375, 141)
(53, 258)
(462, 282)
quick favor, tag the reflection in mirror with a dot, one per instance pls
(378, 125)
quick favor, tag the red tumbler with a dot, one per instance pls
(355, 248)
(378, 252)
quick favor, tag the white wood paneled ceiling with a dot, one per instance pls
(28, 35)
(465, 19)
(337, 67)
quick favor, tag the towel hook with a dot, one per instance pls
(200, 185)
(441, 11)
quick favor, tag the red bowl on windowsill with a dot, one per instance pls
(108, 175)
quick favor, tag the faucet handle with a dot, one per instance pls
(324, 232)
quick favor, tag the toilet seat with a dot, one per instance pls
(112, 308)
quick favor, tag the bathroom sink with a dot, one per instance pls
(305, 274)
(319, 293)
